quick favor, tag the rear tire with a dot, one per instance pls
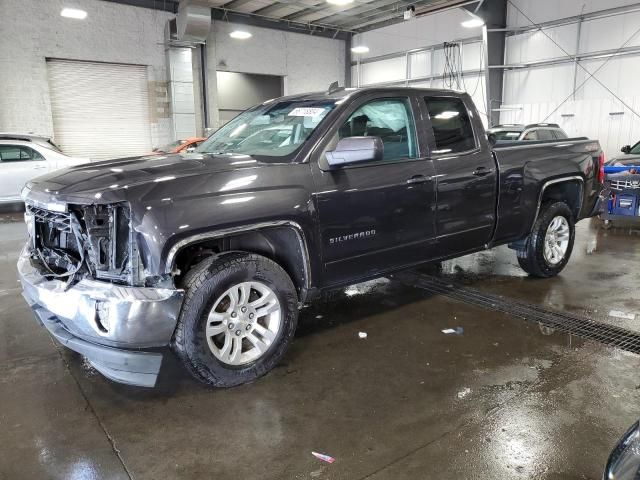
(239, 315)
(548, 248)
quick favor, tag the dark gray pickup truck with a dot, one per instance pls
(213, 253)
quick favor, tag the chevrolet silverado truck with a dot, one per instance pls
(213, 253)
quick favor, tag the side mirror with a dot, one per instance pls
(355, 150)
(626, 149)
(492, 139)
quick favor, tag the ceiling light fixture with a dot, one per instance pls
(340, 2)
(360, 49)
(73, 13)
(240, 34)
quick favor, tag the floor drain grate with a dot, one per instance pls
(561, 321)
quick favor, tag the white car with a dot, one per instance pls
(23, 157)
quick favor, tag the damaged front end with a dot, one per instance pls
(88, 241)
(82, 275)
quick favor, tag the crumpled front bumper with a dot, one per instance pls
(108, 324)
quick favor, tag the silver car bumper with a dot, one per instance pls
(105, 322)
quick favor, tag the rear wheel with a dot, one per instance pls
(548, 248)
(238, 318)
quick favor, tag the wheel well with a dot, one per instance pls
(569, 191)
(283, 245)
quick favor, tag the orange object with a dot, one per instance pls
(179, 146)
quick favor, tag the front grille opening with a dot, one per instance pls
(90, 240)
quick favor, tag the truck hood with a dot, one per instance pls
(114, 180)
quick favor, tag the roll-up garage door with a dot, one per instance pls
(100, 110)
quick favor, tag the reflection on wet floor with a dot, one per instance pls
(505, 399)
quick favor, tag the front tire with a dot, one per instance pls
(548, 248)
(239, 315)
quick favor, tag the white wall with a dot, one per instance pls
(307, 63)
(534, 93)
(33, 30)
(419, 32)
(431, 30)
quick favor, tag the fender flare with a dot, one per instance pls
(555, 181)
(225, 232)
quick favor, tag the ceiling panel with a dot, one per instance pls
(317, 15)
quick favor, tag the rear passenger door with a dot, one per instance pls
(375, 215)
(18, 165)
(466, 175)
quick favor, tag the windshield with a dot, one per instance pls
(507, 135)
(635, 150)
(273, 131)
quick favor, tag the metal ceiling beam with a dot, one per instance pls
(366, 10)
(163, 5)
(235, 4)
(269, 9)
(336, 10)
(392, 17)
(374, 16)
(319, 30)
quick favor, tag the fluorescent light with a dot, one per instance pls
(73, 13)
(240, 34)
(473, 23)
(360, 49)
(339, 2)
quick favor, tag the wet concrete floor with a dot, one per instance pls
(506, 399)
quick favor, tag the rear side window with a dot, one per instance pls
(532, 135)
(451, 125)
(16, 153)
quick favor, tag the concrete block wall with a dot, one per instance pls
(307, 63)
(33, 30)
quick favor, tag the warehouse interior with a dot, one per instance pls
(463, 366)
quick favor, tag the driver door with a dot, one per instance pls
(375, 215)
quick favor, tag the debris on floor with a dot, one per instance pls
(323, 457)
(464, 392)
(362, 334)
(619, 314)
(453, 331)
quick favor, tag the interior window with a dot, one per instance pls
(391, 120)
(545, 134)
(532, 135)
(560, 134)
(451, 125)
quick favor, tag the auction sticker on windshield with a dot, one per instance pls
(306, 112)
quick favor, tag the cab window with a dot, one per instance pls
(451, 125)
(532, 135)
(391, 120)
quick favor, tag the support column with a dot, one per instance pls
(494, 14)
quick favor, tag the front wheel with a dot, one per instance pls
(238, 317)
(548, 248)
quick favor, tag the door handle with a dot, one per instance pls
(482, 171)
(418, 179)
